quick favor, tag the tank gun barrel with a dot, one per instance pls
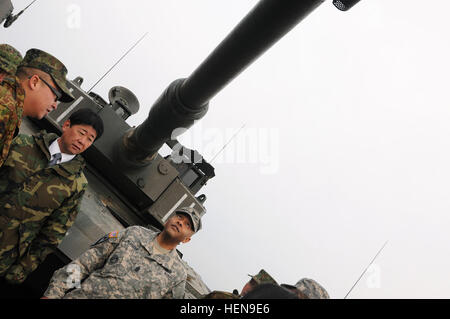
(268, 22)
(186, 100)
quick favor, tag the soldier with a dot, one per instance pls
(136, 263)
(293, 289)
(260, 278)
(270, 291)
(41, 185)
(39, 84)
(10, 58)
(218, 294)
(311, 289)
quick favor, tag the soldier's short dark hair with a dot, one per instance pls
(23, 72)
(87, 117)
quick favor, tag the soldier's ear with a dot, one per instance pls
(66, 125)
(32, 82)
(187, 239)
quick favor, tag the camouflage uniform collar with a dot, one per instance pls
(18, 91)
(8, 79)
(12, 81)
(72, 167)
(165, 260)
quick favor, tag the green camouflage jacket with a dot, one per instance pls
(11, 108)
(121, 265)
(38, 204)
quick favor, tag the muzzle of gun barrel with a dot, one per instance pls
(344, 5)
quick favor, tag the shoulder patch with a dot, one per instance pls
(112, 235)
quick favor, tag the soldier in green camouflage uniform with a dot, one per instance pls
(136, 263)
(10, 58)
(40, 82)
(218, 294)
(262, 277)
(38, 202)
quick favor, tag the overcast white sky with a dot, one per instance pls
(345, 144)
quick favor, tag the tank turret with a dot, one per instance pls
(6, 9)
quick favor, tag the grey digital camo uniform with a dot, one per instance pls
(121, 265)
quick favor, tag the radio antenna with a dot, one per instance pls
(365, 270)
(226, 144)
(118, 61)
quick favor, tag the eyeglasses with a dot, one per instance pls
(58, 94)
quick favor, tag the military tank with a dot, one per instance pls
(130, 183)
(6, 12)
(6, 9)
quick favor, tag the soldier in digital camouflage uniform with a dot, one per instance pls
(41, 185)
(10, 58)
(40, 82)
(136, 263)
(311, 289)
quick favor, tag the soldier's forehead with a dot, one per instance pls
(182, 214)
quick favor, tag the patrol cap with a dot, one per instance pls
(312, 289)
(194, 215)
(38, 59)
(263, 278)
(10, 58)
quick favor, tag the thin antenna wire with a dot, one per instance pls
(227, 143)
(29, 5)
(365, 270)
(118, 61)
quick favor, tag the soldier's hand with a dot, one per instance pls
(15, 275)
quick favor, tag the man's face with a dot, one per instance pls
(179, 226)
(76, 138)
(41, 95)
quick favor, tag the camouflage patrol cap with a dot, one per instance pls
(194, 215)
(10, 58)
(38, 59)
(263, 278)
(312, 289)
